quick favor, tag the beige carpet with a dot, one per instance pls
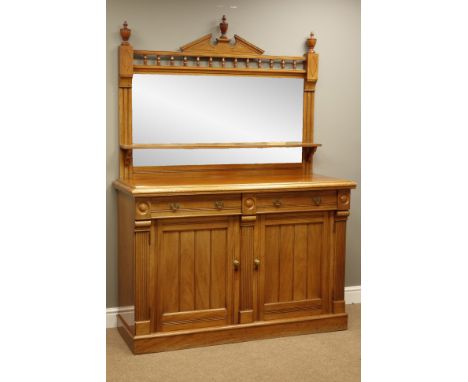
(314, 357)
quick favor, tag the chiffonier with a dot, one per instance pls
(219, 253)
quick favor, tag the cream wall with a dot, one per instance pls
(278, 27)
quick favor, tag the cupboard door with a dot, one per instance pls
(195, 272)
(294, 278)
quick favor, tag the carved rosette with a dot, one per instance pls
(343, 200)
(143, 209)
(249, 205)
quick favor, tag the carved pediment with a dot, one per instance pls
(222, 45)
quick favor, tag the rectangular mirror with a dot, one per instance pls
(205, 109)
(215, 156)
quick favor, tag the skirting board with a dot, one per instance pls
(352, 296)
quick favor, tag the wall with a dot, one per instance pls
(278, 27)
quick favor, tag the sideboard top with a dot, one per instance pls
(228, 181)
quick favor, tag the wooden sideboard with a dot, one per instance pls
(219, 254)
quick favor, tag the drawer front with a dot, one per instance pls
(200, 205)
(296, 201)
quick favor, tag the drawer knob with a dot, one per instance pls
(219, 204)
(317, 200)
(236, 264)
(174, 206)
(277, 203)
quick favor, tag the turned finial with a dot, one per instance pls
(125, 33)
(311, 41)
(224, 27)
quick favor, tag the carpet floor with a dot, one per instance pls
(326, 357)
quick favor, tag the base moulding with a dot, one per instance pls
(229, 334)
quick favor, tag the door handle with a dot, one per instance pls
(236, 264)
(256, 263)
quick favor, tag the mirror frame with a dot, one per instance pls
(201, 56)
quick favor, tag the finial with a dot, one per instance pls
(125, 33)
(224, 27)
(311, 41)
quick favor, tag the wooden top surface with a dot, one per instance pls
(202, 182)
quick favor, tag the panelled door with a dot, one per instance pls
(194, 272)
(294, 265)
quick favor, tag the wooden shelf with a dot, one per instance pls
(227, 145)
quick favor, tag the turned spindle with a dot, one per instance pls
(294, 64)
(223, 62)
(185, 61)
(158, 60)
(283, 64)
(198, 61)
(235, 63)
(210, 62)
(172, 61)
(259, 63)
(145, 60)
(125, 33)
(247, 63)
(271, 64)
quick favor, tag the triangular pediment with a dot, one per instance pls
(204, 45)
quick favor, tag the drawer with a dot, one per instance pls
(296, 201)
(200, 205)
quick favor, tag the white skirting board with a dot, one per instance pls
(111, 315)
(352, 296)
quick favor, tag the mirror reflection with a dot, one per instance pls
(215, 156)
(203, 108)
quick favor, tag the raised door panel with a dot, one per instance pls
(296, 270)
(195, 273)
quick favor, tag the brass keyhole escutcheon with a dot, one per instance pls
(174, 207)
(219, 204)
(317, 200)
(236, 264)
(256, 263)
(277, 203)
